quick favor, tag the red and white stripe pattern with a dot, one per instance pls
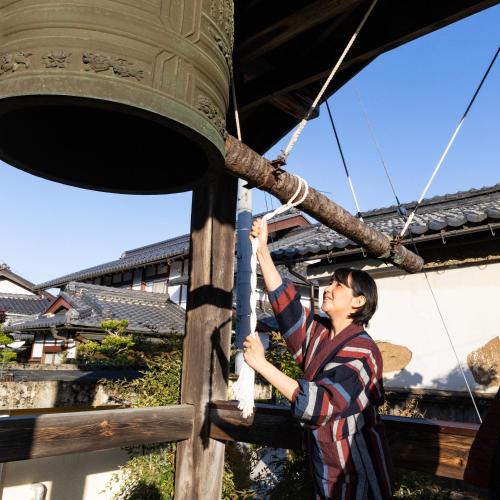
(337, 401)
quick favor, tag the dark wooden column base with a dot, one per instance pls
(200, 460)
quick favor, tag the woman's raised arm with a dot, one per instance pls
(272, 277)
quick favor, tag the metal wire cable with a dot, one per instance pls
(375, 142)
(349, 179)
(450, 142)
(401, 212)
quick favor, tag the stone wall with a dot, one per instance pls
(16, 395)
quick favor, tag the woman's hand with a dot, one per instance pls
(253, 352)
(259, 231)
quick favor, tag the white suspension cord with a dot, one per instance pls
(431, 290)
(236, 114)
(450, 142)
(244, 387)
(315, 103)
(375, 142)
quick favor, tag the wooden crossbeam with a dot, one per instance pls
(290, 26)
(36, 436)
(373, 42)
(432, 446)
(245, 163)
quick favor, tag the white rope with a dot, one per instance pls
(429, 182)
(450, 142)
(236, 113)
(244, 386)
(315, 103)
(433, 295)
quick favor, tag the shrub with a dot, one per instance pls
(115, 349)
(115, 326)
(4, 338)
(114, 344)
(149, 474)
(7, 356)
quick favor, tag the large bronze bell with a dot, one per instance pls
(126, 96)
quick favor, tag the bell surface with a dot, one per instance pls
(125, 96)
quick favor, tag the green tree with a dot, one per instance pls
(117, 348)
(6, 354)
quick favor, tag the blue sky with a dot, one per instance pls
(414, 95)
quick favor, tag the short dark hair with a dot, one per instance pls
(361, 283)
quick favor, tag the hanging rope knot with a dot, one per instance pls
(279, 162)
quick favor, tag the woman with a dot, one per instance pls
(338, 397)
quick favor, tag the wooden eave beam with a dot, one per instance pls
(37, 436)
(432, 446)
(288, 27)
(246, 164)
(294, 104)
(304, 72)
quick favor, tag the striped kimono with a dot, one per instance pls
(337, 401)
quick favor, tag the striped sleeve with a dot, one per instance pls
(295, 320)
(340, 392)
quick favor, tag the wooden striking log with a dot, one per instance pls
(205, 372)
(432, 446)
(243, 162)
(36, 436)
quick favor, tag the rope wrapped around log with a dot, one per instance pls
(259, 172)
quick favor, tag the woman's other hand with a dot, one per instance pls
(253, 352)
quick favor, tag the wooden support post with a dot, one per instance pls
(245, 163)
(200, 460)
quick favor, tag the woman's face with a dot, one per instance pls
(338, 300)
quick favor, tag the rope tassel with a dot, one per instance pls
(244, 386)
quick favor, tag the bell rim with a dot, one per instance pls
(213, 153)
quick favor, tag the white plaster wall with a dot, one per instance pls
(6, 286)
(37, 349)
(469, 299)
(137, 280)
(174, 293)
(184, 292)
(81, 476)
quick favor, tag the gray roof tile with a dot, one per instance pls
(448, 212)
(23, 304)
(147, 313)
(148, 254)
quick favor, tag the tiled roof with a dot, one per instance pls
(448, 212)
(147, 313)
(23, 304)
(141, 256)
(129, 260)
(7, 273)
(464, 210)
